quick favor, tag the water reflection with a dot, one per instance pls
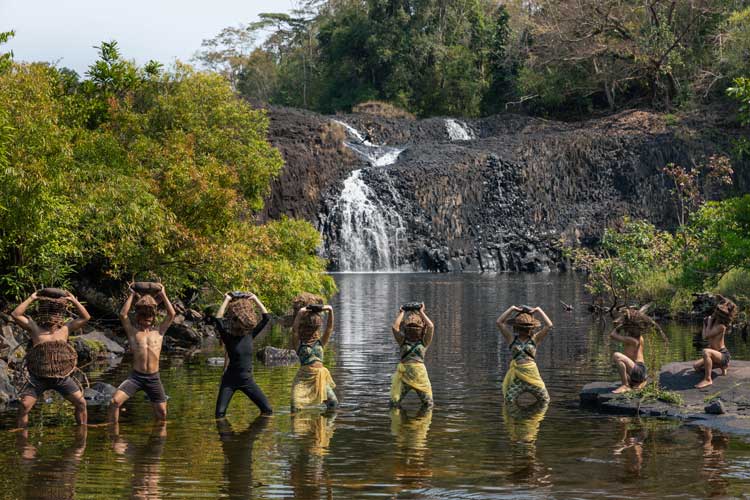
(630, 447)
(238, 455)
(310, 477)
(715, 444)
(146, 460)
(522, 422)
(51, 477)
(412, 450)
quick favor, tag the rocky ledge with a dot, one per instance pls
(725, 405)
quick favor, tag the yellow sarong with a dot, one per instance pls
(412, 374)
(523, 423)
(527, 372)
(310, 385)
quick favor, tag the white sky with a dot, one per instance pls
(66, 30)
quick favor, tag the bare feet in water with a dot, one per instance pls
(621, 389)
(703, 383)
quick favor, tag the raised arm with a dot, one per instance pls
(625, 339)
(264, 320)
(19, 314)
(709, 330)
(429, 328)
(546, 324)
(396, 326)
(295, 326)
(502, 323)
(170, 312)
(125, 311)
(329, 326)
(83, 314)
(223, 308)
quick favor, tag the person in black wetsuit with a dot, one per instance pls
(237, 332)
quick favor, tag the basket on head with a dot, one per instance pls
(305, 299)
(51, 312)
(147, 287)
(725, 311)
(413, 326)
(55, 359)
(634, 322)
(146, 307)
(525, 321)
(242, 312)
(309, 327)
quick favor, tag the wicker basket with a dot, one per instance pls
(305, 299)
(147, 287)
(244, 311)
(309, 327)
(50, 312)
(55, 359)
(635, 323)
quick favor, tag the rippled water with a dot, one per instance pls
(468, 447)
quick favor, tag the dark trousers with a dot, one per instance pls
(230, 384)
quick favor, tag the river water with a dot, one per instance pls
(467, 447)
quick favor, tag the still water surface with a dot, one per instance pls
(469, 446)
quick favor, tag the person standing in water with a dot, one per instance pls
(237, 333)
(413, 332)
(49, 341)
(145, 342)
(313, 384)
(715, 328)
(519, 331)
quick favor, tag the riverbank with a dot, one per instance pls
(724, 406)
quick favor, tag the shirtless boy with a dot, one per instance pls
(51, 328)
(714, 330)
(629, 363)
(145, 342)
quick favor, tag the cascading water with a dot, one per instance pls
(458, 131)
(368, 227)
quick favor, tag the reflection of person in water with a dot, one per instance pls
(146, 460)
(411, 442)
(308, 468)
(522, 423)
(714, 466)
(630, 447)
(238, 456)
(55, 476)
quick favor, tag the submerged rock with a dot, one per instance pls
(273, 356)
(99, 394)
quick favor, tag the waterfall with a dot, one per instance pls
(458, 131)
(368, 228)
(375, 155)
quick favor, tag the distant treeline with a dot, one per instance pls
(477, 57)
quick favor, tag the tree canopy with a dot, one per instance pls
(138, 172)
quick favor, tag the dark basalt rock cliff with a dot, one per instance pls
(507, 199)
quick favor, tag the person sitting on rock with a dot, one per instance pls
(237, 333)
(49, 346)
(313, 384)
(630, 363)
(145, 342)
(413, 332)
(715, 328)
(523, 374)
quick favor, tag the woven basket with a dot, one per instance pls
(50, 312)
(635, 323)
(244, 311)
(309, 327)
(147, 287)
(725, 312)
(52, 293)
(55, 359)
(305, 299)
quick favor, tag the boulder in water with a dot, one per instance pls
(99, 394)
(273, 356)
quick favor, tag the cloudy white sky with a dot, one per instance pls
(64, 31)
